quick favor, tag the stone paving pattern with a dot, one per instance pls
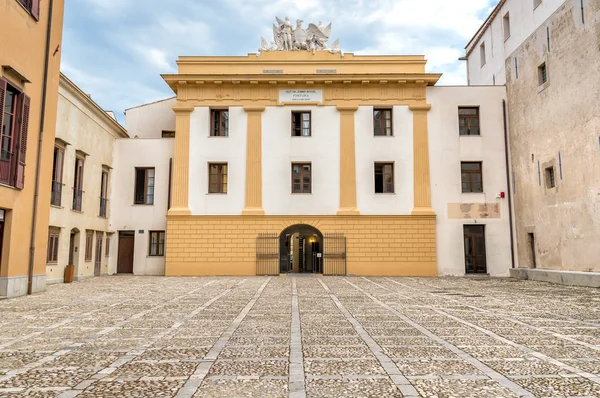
(301, 336)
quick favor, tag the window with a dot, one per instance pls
(550, 179)
(382, 122)
(219, 123)
(89, 239)
(471, 177)
(301, 178)
(52, 255)
(78, 184)
(57, 174)
(468, 120)
(542, 74)
(384, 178)
(157, 243)
(536, 3)
(168, 134)
(482, 53)
(217, 178)
(14, 121)
(107, 249)
(506, 24)
(33, 6)
(301, 124)
(144, 186)
(104, 193)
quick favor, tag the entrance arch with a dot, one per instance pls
(301, 249)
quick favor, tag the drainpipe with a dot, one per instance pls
(509, 194)
(39, 153)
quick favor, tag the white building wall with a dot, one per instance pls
(126, 216)
(524, 21)
(397, 149)
(321, 149)
(447, 150)
(205, 149)
(149, 120)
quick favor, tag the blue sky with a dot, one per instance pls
(116, 50)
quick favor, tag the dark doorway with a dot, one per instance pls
(98, 259)
(125, 255)
(531, 237)
(475, 257)
(2, 215)
(72, 248)
(301, 250)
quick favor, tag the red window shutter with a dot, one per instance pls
(2, 99)
(22, 148)
(35, 9)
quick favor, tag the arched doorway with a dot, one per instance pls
(301, 249)
(74, 248)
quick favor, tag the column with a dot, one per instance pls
(347, 161)
(181, 162)
(422, 185)
(254, 161)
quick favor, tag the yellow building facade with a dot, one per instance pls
(220, 241)
(30, 48)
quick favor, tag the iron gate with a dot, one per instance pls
(334, 253)
(267, 254)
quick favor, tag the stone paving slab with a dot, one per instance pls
(301, 337)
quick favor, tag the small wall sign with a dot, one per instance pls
(299, 96)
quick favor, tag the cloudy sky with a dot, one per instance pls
(116, 50)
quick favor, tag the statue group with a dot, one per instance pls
(313, 38)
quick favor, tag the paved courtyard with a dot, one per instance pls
(301, 336)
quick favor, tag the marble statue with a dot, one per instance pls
(313, 38)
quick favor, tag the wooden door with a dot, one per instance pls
(1, 239)
(125, 256)
(72, 248)
(475, 256)
(98, 262)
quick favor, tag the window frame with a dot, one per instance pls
(222, 183)
(482, 54)
(219, 128)
(159, 245)
(506, 25)
(89, 246)
(550, 177)
(293, 124)
(542, 74)
(12, 169)
(144, 201)
(167, 134)
(468, 118)
(53, 245)
(104, 182)
(383, 173)
(78, 180)
(301, 176)
(32, 7)
(383, 129)
(57, 176)
(471, 173)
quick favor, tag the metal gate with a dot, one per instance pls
(334, 253)
(267, 254)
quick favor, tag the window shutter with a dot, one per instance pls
(22, 148)
(35, 9)
(2, 99)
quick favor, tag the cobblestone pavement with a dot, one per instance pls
(301, 336)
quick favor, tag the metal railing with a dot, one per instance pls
(103, 207)
(55, 198)
(77, 199)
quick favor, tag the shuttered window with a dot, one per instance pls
(52, 255)
(14, 122)
(89, 241)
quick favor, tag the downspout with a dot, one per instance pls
(509, 194)
(39, 152)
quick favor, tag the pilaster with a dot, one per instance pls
(347, 161)
(254, 161)
(181, 162)
(422, 184)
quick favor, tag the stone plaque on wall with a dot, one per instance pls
(299, 96)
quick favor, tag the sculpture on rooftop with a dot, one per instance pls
(314, 38)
